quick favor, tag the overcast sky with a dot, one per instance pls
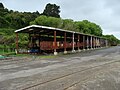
(105, 13)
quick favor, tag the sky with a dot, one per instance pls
(105, 13)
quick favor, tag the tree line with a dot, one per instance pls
(11, 20)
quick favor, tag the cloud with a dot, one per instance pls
(103, 12)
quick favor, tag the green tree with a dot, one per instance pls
(7, 37)
(15, 20)
(95, 29)
(52, 10)
(112, 39)
(3, 23)
(27, 17)
(3, 11)
(47, 21)
(54, 22)
(1, 6)
(83, 26)
(88, 27)
(41, 20)
(68, 24)
(20, 19)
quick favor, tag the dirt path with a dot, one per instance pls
(91, 70)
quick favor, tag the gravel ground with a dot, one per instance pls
(87, 70)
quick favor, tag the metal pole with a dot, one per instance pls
(94, 42)
(106, 43)
(17, 43)
(73, 49)
(65, 43)
(83, 42)
(39, 44)
(78, 44)
(55, 53)
(99, 42)
(91, 42)
(87, 43)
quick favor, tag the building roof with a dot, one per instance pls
(41, 27)
(46, 30)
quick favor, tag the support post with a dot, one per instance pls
(91, 41)
(106, 43)
(99, 42)
(95, 42)
(102, 43)
(39, 44)
(55, 53)
(65, 52)
(87, 42)
(17, 51)
(78, 44)
(29, 43)
(83, 42)
(73, 47)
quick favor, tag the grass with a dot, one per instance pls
(6, 53)
(47, 56)
(1, 52)
(36, 56)
(22, 55)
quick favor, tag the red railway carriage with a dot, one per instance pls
(49, 45)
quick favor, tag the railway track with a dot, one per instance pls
(42, 85)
